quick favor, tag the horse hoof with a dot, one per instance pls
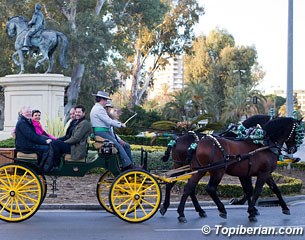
(182, 220)
(252, 219)
(286, 211)
(162, 210)
(202, 214)
(223, 215)
(257, 213)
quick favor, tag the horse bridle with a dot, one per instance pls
(292, 148)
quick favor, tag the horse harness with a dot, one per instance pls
(229, 159)
(191, 149)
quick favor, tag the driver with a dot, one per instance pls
(37, 24)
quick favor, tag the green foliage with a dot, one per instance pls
(209, 69)
(141, 122)
(149, 149)
(287, 185)
(146, 141)
(185, 126)
(297, 166)
(154, 160)
(56, 127)
(8, 143)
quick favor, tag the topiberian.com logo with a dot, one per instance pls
(258, 231)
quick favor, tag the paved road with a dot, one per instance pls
(99, 225)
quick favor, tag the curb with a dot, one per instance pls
(264, 202)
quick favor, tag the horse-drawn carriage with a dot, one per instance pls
(135, 195)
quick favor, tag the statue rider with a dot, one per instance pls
(37, 24)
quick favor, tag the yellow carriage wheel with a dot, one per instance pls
(44, 186)
(135, 196)
(44, 193)
(20, 193)
(102, 190)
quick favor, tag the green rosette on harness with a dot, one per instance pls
(190, 151)
(172, 143)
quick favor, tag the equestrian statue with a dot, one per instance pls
(32, 36)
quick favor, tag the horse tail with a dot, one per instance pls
(167, 153)
(63, 49)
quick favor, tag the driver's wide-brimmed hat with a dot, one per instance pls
(102, 94)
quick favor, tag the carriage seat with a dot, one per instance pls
(67, 158)
(32, 156)
(101, 144)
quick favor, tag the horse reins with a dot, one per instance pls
(229, 159)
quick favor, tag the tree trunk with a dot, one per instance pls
(98, 7)
(135, 80)
(74, 87)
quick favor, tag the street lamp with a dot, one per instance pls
(241, 71)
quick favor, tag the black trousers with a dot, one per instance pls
(52, 158)
(60, 148)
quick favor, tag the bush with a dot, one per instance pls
(146, 141)
(287, 185)
(8, 143)
(297, 165)
(154, 160)
(148, 148)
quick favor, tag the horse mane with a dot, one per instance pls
(21, 18)
(252, 121)
(274, 128)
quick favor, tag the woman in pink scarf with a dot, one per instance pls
(36, 122)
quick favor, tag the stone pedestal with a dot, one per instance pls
(44, 92)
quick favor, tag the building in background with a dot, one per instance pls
(171, 78)
(298, 94)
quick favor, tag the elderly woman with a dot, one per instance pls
(27, 140)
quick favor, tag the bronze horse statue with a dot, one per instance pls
(218, 155)
(46, 43)
(181, 157)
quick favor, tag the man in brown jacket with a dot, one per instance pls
(75, 143)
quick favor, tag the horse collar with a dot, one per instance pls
(216, 142)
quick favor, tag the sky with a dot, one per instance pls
(263, 24)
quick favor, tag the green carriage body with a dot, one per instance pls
(109, 162)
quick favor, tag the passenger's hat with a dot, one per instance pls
(108, 103)
(102, 94)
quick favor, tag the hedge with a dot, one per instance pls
(287, 186)
(145, 141)
(8, 143)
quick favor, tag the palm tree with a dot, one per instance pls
(177, 108)
(237, 105)
(197, 91)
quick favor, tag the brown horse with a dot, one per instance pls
(181, 157)
(218, 155)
